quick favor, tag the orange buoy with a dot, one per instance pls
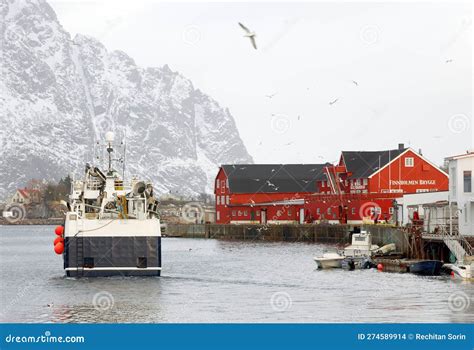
(380, 267)
(59, 230)
(58, 239)
(59, 248)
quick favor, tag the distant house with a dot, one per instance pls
(25, 196)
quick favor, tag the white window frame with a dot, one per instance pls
(409, 162)
(227, 200)
(218, 183)
(218, 215)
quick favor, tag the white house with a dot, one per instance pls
(21, 196)
(436, 208)
(461, 195)
(429, 206)
(25, 196)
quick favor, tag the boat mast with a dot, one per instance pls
(109, 138)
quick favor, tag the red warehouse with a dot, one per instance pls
(362, 186)
(253, 193)
(400, 170)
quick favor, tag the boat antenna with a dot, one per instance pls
(123, 161)
(109, 138)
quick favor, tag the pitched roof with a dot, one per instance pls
(24, 192)
(362, 164)
(273, 178)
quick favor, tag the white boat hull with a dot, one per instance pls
(329, 261)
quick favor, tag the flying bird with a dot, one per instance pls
(355, 83)
(333, 102)
(249, 34)
(271, 95)
(449, 61)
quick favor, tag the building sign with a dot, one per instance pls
(412, 182)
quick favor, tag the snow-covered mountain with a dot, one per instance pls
(59, 94)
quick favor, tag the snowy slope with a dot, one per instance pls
(58, 94)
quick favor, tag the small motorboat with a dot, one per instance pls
(461, 271)
(426, 267)
(329, 260)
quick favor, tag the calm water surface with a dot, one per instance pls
(217, 281)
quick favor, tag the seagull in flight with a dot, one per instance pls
(249, 34)
(355, 83)
(333, 102)
(271, 95)
(449, 61)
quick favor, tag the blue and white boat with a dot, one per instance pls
(111, 227)
(426, 267)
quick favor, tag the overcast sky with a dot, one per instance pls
(412, 64)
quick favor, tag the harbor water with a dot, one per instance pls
(205, 280)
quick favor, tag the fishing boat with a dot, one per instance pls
(329, 260)
(112, 226)
(426, 267)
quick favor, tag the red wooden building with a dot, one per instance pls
(362, 186)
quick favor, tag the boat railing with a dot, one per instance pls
(451, 232)
(93, 185)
